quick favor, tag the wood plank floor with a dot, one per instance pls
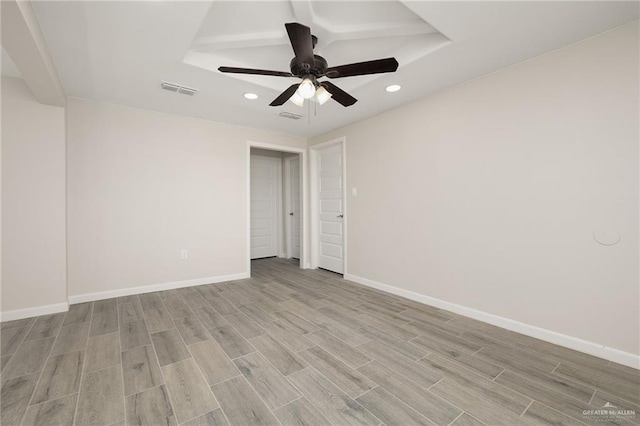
(293, 347)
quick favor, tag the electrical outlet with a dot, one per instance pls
(184, 254)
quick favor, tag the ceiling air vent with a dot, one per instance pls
(187, 91)
(290, 115)
(173, 87)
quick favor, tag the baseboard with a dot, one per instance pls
(33, 312)
(90, 297)
(611, 354)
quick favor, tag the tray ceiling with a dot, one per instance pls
(253, 35)
(118, 52)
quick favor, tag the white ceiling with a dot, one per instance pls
(382, 29)
(7, 66)
(118, 52)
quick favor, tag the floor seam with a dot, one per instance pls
(527, 407)
(153, 347)
(44, 365)
(457, 417)
(124, 393)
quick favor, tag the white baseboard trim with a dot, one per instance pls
(611, 354)
(34, 312)
(90, 297)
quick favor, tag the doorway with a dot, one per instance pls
(276, 195)
(328, 206)
(266, 206)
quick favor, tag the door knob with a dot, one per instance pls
(291, 214)
(340, 215)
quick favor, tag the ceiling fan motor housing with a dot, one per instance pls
(317, 69)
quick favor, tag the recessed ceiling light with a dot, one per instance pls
(393, 88)
(251, 96)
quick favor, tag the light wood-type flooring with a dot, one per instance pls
(293, 347)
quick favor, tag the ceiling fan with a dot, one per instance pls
(310, 68)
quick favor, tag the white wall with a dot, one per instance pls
(144, 185)
(33, 203)
(487, 195)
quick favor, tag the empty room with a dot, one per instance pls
(310, 212)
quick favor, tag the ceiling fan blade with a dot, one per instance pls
(254, 71)
(339, 95)
(284, 96)
(377, 66)
(301, 41)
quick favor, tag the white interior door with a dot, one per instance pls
(295, 215)
(265, 182)
(331, 208)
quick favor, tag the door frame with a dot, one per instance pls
(304, 245)
(288, 226)
(314, 204)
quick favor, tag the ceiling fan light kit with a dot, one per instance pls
(322, 95)
(306, 89)
(310, 68)
(297, 99)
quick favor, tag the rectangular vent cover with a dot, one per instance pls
(173, 87)
(290, 115)
(187, 91)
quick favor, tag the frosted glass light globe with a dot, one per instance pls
(307, 89)
(297, 99)
(322, 95)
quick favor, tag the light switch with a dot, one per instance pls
(354, 192)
